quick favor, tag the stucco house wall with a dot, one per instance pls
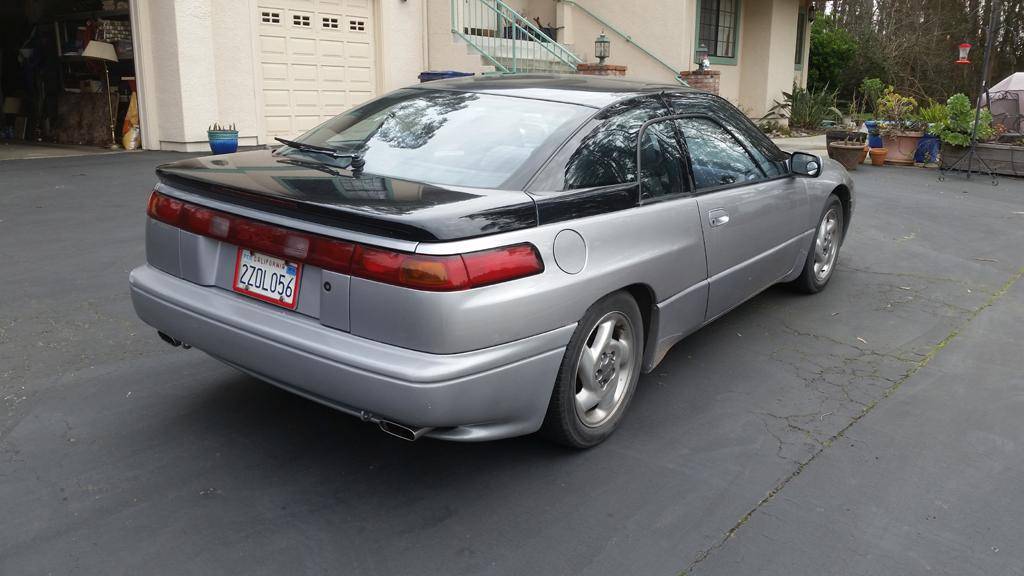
(671, 39)
(197, 59)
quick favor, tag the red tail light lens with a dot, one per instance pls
(418, 271)
(326, 253)
(502, 264)
(437, 273)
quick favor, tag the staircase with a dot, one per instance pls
(506, 41)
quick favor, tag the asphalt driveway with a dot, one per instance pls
(872, 429)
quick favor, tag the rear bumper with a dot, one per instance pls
(485, 394)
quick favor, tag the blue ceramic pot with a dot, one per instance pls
(927, 149)
(874, 137)
(223, 141)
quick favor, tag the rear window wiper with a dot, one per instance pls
(356, 164)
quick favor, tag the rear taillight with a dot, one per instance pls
(419, 271)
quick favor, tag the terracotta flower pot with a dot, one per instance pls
(878, 156)
(847, 153)
(901, 147)
(863, 154)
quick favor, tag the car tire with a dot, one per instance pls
(598, 374)
(823, 255)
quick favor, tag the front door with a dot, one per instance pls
(751, 217)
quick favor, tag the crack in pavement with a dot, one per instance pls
(995, 296)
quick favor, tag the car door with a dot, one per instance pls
(752, 211)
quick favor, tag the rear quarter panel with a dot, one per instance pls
(659, 246)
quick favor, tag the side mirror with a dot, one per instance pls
(804, 164)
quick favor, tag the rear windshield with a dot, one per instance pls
(450, 138)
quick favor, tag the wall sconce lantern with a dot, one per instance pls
(965, 48)
(703, 63)
(602, 48)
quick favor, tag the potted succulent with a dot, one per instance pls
(849, 152)
(223, 140)
(900, 129)
(955, 131)
(842, 137)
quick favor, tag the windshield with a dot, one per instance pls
(450, 138)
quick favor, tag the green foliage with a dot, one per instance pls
(216, 127)
(807, 109)
(896, 111)
(933, 113)
(957, 127)
(769, 127)
(832, 51)
(871, 90)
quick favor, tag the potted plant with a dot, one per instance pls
(955, 131)
(222, 140)
(847, 152)
(878, 156)
(874, 134)
(932, 117)
(900, 130)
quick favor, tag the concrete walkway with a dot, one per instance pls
(21, 150)
(812, 144)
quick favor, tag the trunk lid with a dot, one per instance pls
(366, 203)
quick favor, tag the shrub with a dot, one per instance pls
(807, 109)
(769, 127)
(832, 51)
(897, 112)
(956, 128)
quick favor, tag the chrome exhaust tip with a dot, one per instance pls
(172, 341)
(402, 431)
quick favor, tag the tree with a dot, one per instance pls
(911, 44)
(832, 51)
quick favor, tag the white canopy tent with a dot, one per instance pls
(1007, 103)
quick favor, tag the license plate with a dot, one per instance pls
(267, 278)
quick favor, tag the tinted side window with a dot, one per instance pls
(716, 158)
(662, 169)
(772, 162)
(767, 154)
(607, 155)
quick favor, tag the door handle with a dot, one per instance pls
(718, 217)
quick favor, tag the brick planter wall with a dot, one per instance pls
(601, 69)
(707, 80)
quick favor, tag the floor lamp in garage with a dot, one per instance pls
(104, 52)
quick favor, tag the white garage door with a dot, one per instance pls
(317, 59)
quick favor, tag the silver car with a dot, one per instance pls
(486, 257)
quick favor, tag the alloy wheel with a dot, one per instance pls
(826, 245)
(605, 369)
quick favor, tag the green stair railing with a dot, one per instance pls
(507, 40)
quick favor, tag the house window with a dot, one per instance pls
(717, 27)
(801, 30)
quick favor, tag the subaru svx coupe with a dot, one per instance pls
(485, 257)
